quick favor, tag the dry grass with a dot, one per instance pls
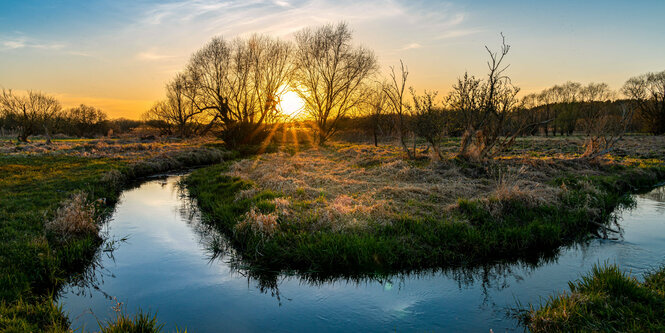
(123, 149)
(348, 186)
(75, 218)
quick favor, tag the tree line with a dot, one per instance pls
(36, 113)
(233, 88)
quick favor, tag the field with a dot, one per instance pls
(346, 208)
(359, 208)
(52, 202)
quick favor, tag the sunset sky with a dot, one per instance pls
(117, 55)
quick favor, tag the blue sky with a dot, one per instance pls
(119, 54)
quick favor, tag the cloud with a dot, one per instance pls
(25, 43)
(152, 56)
(411, 46)
(283, 17)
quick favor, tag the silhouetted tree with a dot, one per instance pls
(648, 91)
(178, 111)
(83, 120)
(31, 112)
(239, 84)
(395, 92)
(487, 107)
(376, 108)
(330, 74)
(429, 121)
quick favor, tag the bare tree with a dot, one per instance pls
(429, 122)
(376, 108)
(178, 110)
(239, 84)
(83, 120)
(395, 92)
(546, 99)
(567, 98)
(330, 74)
(31, 112)
(648, 91)
(592, 108)
(488, 109)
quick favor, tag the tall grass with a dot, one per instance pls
(48, 226)
(605, 300)
(475, 231)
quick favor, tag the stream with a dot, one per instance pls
(165, 266)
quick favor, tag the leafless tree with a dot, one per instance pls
(567, 98)
(376, 109)
(546, 99)
(395, 91)
(648, 91)
(488, 109)
(83, 120)
(429, 120)
(329, 75)
(178, 110)
(32, 112)
(239, 83)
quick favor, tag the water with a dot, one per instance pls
(165, 267)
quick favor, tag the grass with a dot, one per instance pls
(605, 300)
(49, 215)
(355, 208)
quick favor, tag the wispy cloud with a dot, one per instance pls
(26, 43)
(283, 17)
(411, 46)
(152, 56)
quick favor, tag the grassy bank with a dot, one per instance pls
(365, 209)
(37, 256)
(605, 300)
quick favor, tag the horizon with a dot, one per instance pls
(118, 56)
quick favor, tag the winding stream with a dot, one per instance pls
(165, 266)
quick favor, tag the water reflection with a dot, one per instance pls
(176, 264)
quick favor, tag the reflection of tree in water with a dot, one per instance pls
(658, 195)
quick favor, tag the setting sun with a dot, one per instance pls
(290, 104)
(339, 165)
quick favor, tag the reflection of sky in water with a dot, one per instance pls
(164, 267)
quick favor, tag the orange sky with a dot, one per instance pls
(118, 55)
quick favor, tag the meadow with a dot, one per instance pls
(343, 208)
(53, 202)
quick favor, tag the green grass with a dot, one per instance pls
(470, 235)
(35, 264)
(605, 300)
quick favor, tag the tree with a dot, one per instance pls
(395, 93)
(648, 91)
(429, 122)
(239, 84)
(592, 107)
(31, 112)
(84, 120)
(567, 98)
(376, 109)
(488, 109)
(330, 74)
(178, 111)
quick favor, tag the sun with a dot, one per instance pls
(290, 104)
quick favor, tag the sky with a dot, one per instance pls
(118, 55)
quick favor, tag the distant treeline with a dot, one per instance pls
(233, 89)
(42, 115)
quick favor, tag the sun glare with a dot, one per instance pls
(290, 104)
